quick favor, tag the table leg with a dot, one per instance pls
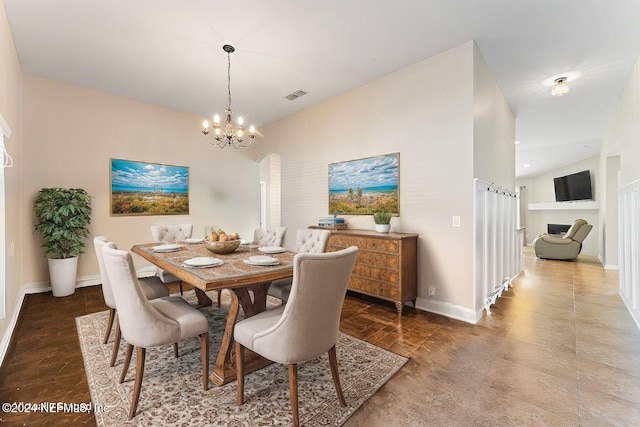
(225, 369)
(203, 299)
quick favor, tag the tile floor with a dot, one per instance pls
(559, 349)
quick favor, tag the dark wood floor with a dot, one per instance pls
(559, 349)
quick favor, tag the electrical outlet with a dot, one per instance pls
(455, 221)
(432, 291)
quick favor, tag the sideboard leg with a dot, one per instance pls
(399, 307)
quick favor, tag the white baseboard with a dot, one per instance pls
(39, 287)
(449, 310)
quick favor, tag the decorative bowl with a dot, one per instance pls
(222, 247)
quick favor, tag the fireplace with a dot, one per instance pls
(558, 228)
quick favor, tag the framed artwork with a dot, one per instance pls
(142, 188)
(365, 186)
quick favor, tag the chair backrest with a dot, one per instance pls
(311, 240)
(574, 228)
(98, 243)
(309, 323)
(269, 237)
(582, 233)
(171, 233)
(142, 325)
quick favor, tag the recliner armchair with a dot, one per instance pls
(564, 248)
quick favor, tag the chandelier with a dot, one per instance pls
(226, 134)
(560, 87)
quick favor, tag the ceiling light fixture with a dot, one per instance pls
(226, 134)
(560, 86)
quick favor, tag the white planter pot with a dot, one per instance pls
(62, 275)
(383, 228)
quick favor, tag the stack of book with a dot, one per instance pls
(332, 222)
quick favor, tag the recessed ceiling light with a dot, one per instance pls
(526, 165)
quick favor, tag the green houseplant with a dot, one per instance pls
(382, 221)
(62, 219)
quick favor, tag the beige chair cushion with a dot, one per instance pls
(269, 237)
(147, 323)
(171, 233)
(152, 287)
(574, 228)
(307, 326)
(307, 241)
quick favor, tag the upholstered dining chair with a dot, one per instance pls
(307, 241)
(152, 288)
(269, 237)
(150, 323)
(306, 326)
(170, 234)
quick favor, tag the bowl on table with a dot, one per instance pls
(222, 247)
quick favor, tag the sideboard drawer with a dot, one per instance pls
(374, 288)
(366, 244)
(386, 266)
(377, 273)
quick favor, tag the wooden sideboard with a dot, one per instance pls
(387, 264)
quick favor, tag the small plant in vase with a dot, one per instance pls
(382, 221)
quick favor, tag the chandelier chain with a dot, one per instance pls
(229, 78)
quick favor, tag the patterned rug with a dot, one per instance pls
(172, 388)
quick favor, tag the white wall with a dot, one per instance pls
(10, 108)
(540, 189)
(430, 122)
(493, 128)
(71, 133)
(621, 138)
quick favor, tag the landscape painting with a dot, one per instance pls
(365, 186)
(141, 188)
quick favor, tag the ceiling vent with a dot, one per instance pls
(295, 95)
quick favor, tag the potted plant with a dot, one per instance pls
(62, 218)
(382, 220)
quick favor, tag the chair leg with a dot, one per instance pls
(219, 297)
(116, 345)
(180, 287)
(127, 362)
(112, 315)
(204, 349)
(333, 362)
(240, 373)
(140, 355)
(175, 350)
(293, 392)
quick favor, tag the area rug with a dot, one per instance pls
(172, 388)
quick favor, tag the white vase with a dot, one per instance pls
(62, 275)
(383, 228)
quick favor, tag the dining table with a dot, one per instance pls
(248, 285)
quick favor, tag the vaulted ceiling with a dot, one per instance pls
(169, 53)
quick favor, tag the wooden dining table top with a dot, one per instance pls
(234, 272)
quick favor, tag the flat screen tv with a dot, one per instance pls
(576, 186)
